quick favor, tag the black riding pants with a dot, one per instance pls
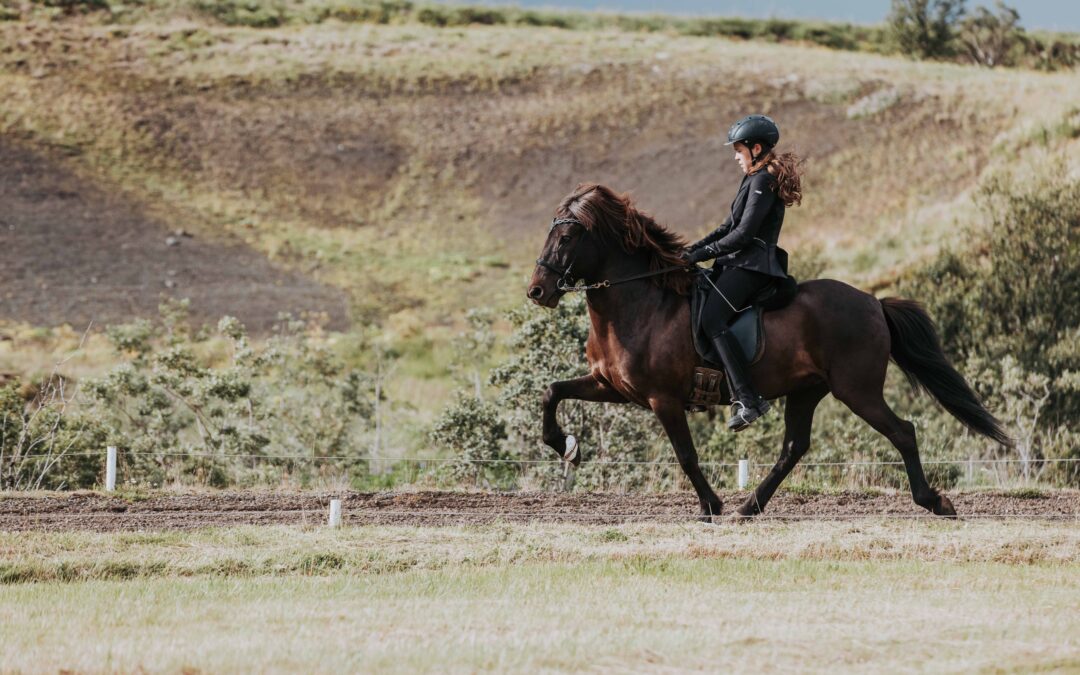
(738, 286)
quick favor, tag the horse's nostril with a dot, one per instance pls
(536, 292)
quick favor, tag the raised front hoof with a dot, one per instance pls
(572, 453)
(944, 507)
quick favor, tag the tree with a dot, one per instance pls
(991, 39)
(925, 29)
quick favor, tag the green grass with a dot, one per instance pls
(812, 597)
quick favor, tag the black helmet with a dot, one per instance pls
(754, 129)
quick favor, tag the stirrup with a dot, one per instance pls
(741, 418)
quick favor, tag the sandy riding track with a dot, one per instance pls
(93, 511)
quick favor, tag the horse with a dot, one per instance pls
(831, 338)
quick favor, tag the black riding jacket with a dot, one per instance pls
(747, 238)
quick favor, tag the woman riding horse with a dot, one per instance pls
(744, 246)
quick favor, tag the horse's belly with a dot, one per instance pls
(624, 385)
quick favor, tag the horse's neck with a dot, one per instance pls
(626, 308)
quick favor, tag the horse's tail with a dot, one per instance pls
(916, 348)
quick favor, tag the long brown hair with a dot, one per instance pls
(617, 222)
(787, 168)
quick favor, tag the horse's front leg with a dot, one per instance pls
(672, 416)
(586, 388)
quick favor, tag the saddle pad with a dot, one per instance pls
(748, 328)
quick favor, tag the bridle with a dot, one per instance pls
(565, 281)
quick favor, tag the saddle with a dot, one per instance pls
(748, 328)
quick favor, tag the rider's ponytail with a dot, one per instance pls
(788, 171)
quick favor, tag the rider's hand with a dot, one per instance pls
(694, 257)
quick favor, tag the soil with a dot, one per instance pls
(93, 511)
(76, 252)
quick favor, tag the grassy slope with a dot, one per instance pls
(813, 596)
(414, 166)
(385, 158)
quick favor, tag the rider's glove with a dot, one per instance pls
(700, 255)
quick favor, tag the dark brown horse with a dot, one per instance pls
(832, 338)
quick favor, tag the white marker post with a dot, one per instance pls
(110, 469)
(744, 473)
(335, 513)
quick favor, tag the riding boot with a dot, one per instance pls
(747, 406)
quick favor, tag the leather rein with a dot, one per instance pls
(564, 282)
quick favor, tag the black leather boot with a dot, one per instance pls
(747, 406)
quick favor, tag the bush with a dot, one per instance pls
(1008, 314)
(43, 443)
(925, 29)
(992, 39)
(210, 404)
(252, 13)
(75, 6)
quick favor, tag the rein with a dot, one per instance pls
(563, 284)
(609, 282)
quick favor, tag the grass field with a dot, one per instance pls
(812, 597)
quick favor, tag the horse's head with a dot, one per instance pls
(593, 226)
(572, 250)
(570, 253)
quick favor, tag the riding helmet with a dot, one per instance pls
(754, 129)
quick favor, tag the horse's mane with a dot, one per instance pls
(614, 220)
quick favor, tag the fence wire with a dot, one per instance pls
(459, 460)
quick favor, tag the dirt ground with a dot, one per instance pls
(72, 252)
(93, 511)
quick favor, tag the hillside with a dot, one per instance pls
(407, 170)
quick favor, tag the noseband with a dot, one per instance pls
(565, 282)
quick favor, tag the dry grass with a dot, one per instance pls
(821, 597)
(286, 551)
(234, 129)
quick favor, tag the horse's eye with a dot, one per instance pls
(563, 239)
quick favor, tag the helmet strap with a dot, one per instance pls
(765, 150)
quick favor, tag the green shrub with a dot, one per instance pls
(74, 6)
(207, 406)
(1007, 312)
(991, 39)
(925, 29)
(252, 13)
(44, 443)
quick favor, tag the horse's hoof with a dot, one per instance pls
(944, 507)
(710, 513)
(744, 514)
(572, 453)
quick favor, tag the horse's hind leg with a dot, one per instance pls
(798, 417)
(901, 433)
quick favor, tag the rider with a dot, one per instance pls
(747, 257)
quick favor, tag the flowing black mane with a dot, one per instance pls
(613, 218)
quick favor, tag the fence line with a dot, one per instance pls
(446, 460)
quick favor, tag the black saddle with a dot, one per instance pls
(748, 327)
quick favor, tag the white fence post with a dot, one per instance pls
(744, 473)
(335, 513)
(110, 469)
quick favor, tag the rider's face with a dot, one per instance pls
(742, 155)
